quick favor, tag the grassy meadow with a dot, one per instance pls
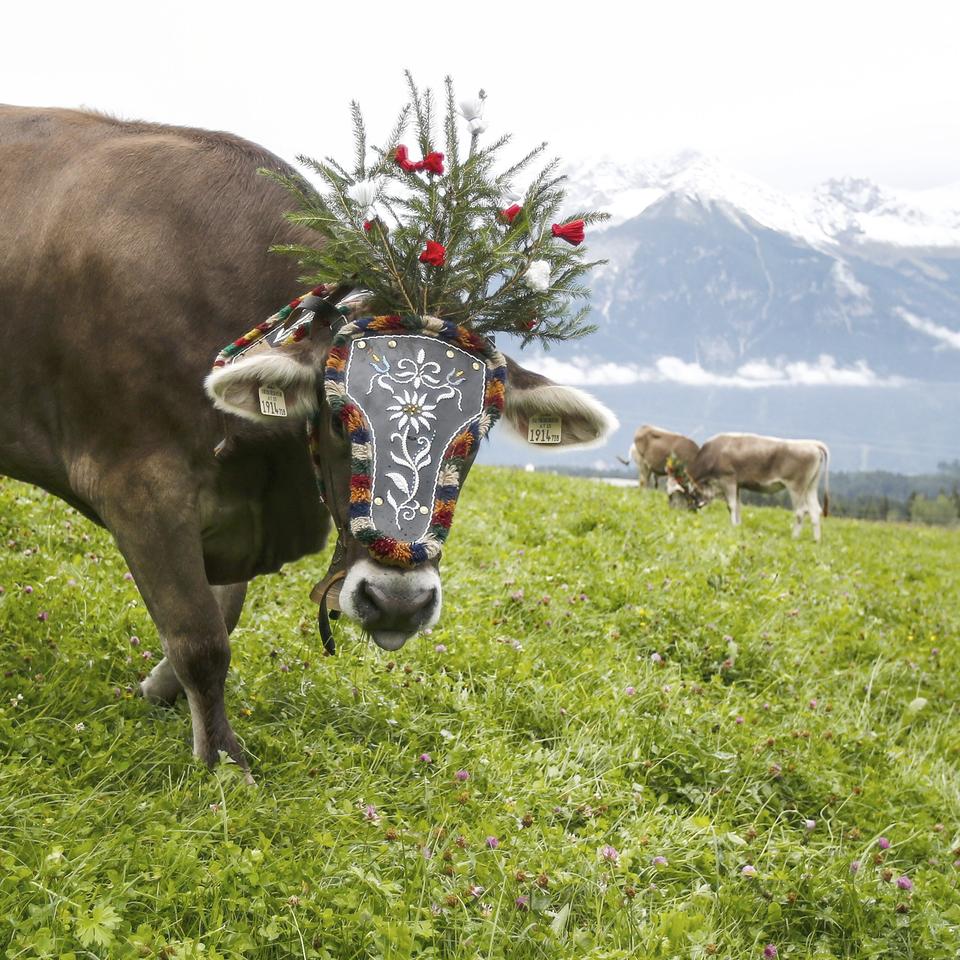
(635, 733)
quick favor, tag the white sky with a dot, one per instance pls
(791, 93)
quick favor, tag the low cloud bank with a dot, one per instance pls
(948, 337)
(582, 372)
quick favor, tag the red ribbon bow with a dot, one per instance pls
(510, 214)
(431, 163)
(435, 254)
(572, 232)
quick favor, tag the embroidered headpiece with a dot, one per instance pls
(415, 396)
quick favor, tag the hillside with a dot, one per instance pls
(635, 733)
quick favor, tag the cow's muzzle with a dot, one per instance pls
(389, 603)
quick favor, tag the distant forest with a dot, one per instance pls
(872, 495)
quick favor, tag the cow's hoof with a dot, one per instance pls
(162, 685)
(160, 693)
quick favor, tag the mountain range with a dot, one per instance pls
(725, 304)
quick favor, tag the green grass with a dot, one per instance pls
(797, 683)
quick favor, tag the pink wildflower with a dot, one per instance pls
(749, 870)
(440, 648)
(883, 843)
(492, 843)
(522, 902)
(610, 854)
(770, 951)
(855, 867)
(659, 861)
(426, 758)
(904, 883)
(630, 691)
(462, 775)
(43, 615)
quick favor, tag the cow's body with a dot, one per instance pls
(731, 462)
(651, 448)
(130, 254)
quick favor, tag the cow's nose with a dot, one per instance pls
(397, 607)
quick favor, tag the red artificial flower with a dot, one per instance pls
(572, 232)
(367, 225)
(432, 163)
(510, 214)
(435, 254)
(403, 160)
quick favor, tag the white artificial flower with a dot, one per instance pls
(477, 126)
(363, 193)
(471, 109)
(537, 276)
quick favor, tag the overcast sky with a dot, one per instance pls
(791, 93)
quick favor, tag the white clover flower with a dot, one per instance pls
(79, 727)
(471, 109)
(537, 276)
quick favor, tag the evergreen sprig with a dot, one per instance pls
(483, 282)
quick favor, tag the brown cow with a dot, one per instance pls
(652, 446)
(130, 254)
(731, 462)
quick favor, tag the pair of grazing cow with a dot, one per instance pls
(731, 462)
(130, 254)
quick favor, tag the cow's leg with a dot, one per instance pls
(799, 504)
(163, 685)
(644, 475)
(731, 493)
(813, 508)
(158, 532)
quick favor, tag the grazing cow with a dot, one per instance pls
(652, 446)
(130, 254)
(731, 462)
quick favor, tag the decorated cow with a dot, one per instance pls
(132, 253)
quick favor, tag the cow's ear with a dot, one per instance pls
(247, 387)
(584, 421)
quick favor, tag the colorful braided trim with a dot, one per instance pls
(232, 350)
(456, 457)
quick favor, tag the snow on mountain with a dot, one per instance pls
(845, 210)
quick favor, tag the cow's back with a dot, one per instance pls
(754, 460)
(130, 254)
(655, 445)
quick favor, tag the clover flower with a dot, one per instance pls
(904, 883)
(630, 691)
(440, 648)
(749, 870)
(883, 843)
(770, 951)
(425, 758)
(659, 861)
(610, 854)
(461, 775)
(492, 843)
(370, 813)
(522, 902)
(809, 824)
(855, 867)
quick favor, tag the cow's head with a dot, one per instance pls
(396, 409)
(680, 485)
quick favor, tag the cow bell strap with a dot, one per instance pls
(321, 595)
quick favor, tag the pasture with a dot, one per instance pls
(635, 733)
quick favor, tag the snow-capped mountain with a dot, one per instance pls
(842, 210)
(723, 294)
